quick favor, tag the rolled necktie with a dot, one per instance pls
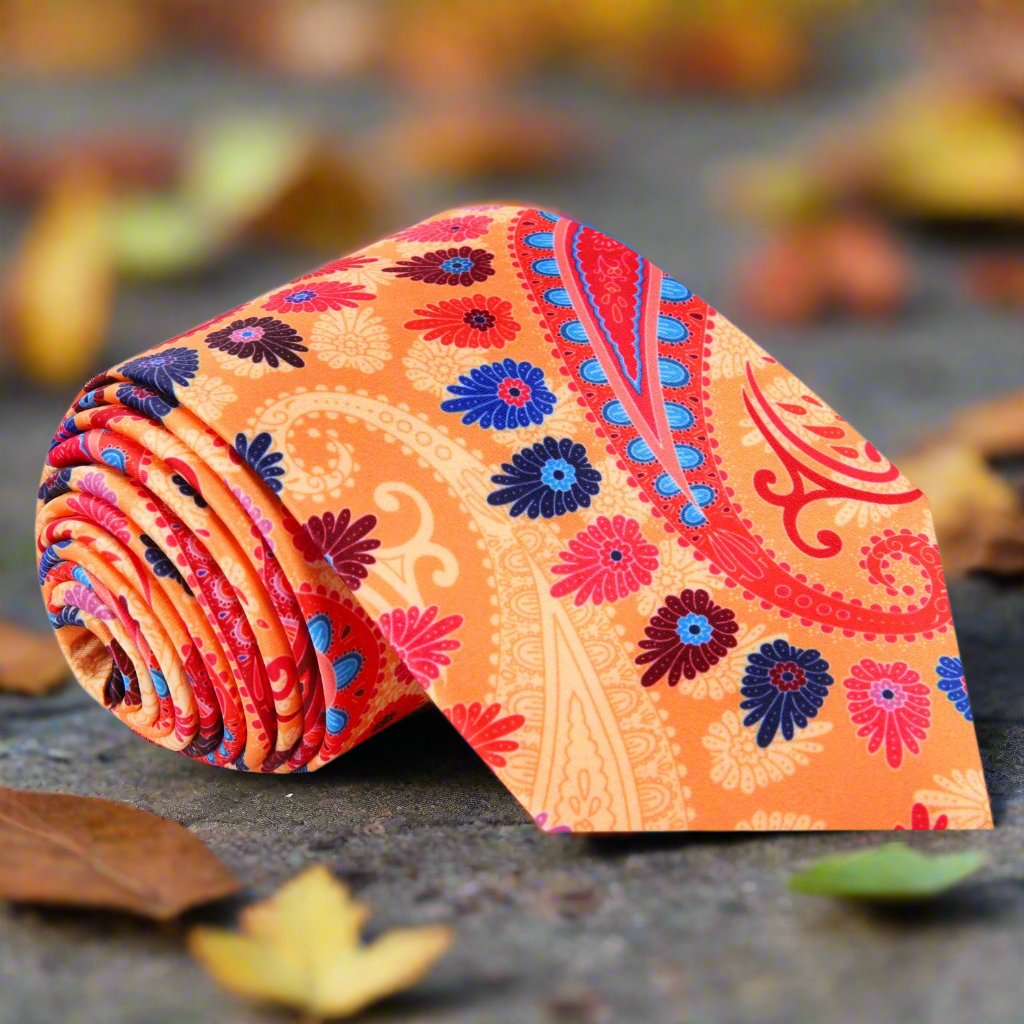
(501, 462)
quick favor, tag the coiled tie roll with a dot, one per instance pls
(500, 461)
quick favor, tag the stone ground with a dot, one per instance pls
(654, 930)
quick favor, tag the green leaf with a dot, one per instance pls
(893, 872)
(161, 236)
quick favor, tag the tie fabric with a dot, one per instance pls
(501, 462)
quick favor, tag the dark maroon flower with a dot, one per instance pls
(342, 542)
(686, 636)
(260, 339)
(463, 265)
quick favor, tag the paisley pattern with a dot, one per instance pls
(500, 462)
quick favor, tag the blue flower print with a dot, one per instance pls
(163, 370)
(784, 686)
(501, 396)
(953, 684)
(265, 462)
(546, 479)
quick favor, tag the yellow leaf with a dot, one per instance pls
(58, 292)
(301, 948)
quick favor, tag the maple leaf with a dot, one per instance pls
(301, 948)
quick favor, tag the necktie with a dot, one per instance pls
(501, 462)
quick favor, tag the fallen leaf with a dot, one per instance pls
(998, 279)
(979, 518)
(58, 293)
(301, 948)
(269, 176)
(890, 873)
(478, 141)
(30, 663)
(160, 236)
(78, 851)
(73, 37)
(995, 428)
(844, 264)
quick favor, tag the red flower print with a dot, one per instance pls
(920, 821)
(891, 705)
(317, 296)
(463, 265)
(421, 640)
(484, 731)
(340, 266)
(687, 635)
(605, 562)
(467, 322)
(447, 229)
(342, 542)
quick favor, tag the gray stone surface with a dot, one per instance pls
(694, 929)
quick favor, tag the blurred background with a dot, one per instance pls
(843, 178)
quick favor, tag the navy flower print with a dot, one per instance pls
(163, 370)
(462, 265)
(146, 402)
(546, 479)
(265, 462)
(686, 636)
(162, 565)
(953, 684)
(502, 395)
(784, 686)
(260, 339)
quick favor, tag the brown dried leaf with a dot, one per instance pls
(979, 518)
(30, 663)
(58, 293)
(997, 278)
(497, 140)
(995, 428)
(77, 851)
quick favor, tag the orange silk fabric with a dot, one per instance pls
(500, 462)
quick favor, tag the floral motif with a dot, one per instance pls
(208, 396)
(317, 296)
(161, 563)
(780, 821)
(607, 561)
(784, 686)
(961, 796)
(142, 399)
(738, 762)
(501, 396)
(163, 370)
(467, 322)
(688, 634)
(342, 541)
(430, 367)
(421, 640)
(920, 821)
(954, 685)
(484, 731)
(258, 455)
(677, 570)
(188, 488)
(259, 339)
(546, 479)
(351, 338)
(456, 266)
(447, 229)
(891, 705)
(345, 264)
